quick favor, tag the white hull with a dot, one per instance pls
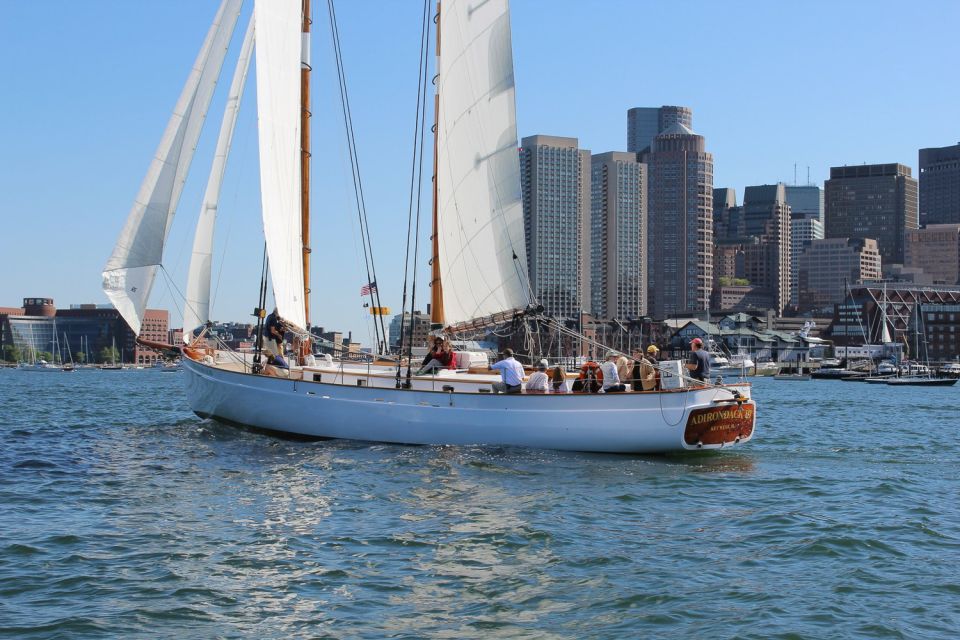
(623, 423)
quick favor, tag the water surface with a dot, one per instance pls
(124, 515)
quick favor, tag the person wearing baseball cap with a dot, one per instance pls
(699, 362)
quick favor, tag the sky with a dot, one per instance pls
(86, 89)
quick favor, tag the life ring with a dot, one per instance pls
(591, 369)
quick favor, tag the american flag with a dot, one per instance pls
(367, 289)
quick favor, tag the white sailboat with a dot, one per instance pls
(479, 265)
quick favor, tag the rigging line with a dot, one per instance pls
(354, 164)
(413, 163)
(375, 292)
(416, 235)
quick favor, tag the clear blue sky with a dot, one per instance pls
(86, 89)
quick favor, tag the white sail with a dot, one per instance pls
(279, 24)
(196, 310)
(129, 273)
(480, 217)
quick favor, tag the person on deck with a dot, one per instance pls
(558, 380)
(646, 377)
(433, 353)
(442, 359)
(273, 330)
(699, 362)
(539, 382)
(611, 379)
(511, 372)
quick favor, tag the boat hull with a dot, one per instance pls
(682, 420)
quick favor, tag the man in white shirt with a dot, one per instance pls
(511, 372)
(611, 379)
(539, 382)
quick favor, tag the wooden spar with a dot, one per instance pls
(436, 287)
(305, 158)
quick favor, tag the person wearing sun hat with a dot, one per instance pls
(611, 378)
(699, 362)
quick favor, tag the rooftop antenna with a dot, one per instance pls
(794, 174)
(809, 184)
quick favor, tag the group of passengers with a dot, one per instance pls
(440, 356)
(642, 373)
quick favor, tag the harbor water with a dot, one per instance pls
(122, 515)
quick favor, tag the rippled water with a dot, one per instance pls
(123, 515)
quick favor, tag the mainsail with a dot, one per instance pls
(480, 216)
(129, 273)
(197, 305)
(279, 42)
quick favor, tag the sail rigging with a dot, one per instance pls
(197, 305)
(130, 272)
(479, 234)
(279, 55)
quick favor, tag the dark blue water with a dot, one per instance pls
(123, 515)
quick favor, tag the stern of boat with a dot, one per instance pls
(727, 423)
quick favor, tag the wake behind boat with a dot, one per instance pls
(478, 265)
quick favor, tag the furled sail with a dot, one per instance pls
(196, 310)
(279, 42)
(129, 273)
(480, 218)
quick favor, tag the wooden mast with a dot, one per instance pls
(436, 287)
(305, 157)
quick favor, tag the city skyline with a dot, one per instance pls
(93, 101)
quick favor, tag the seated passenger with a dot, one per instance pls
(611, 380)
(442, 359)
(558, 380)
(539, 382)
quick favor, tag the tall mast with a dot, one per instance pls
(436, 287)
(305, 157)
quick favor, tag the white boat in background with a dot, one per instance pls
(479, 264)
(766, 368)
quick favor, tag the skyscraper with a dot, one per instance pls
(806, 224)
(828, 266)
(806, 201)
(766, 217)
(618, 236)
(876, 201)
(936, 250)
(802, 232)
(680, 223)
(726, 215)
(645, 123)
(940, 185)
(555, 179)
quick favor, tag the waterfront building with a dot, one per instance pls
(646, 123)
(940, 185)
(86, 329)
(827, 267)
(402, 321)
(936, 250)
(680, 223)
(937, 308)
(555, 182)
(618, 236)
(877, 201)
